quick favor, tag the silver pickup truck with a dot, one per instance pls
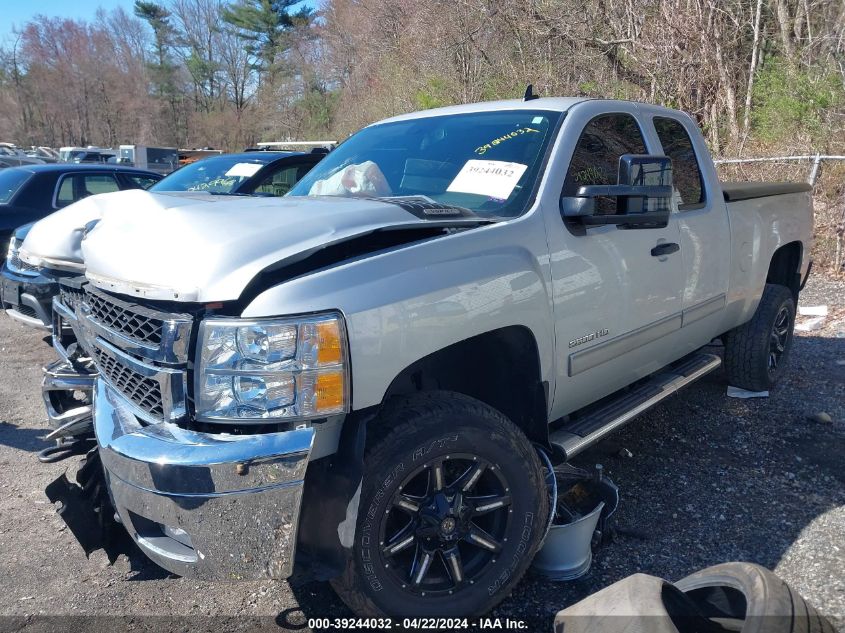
(355, 378)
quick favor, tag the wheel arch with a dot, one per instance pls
(501, 368)
(785, 267)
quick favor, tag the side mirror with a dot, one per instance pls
(643, 195)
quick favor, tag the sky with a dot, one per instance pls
(16, 13)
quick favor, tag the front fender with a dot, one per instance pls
(404, 304)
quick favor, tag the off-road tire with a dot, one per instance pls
(408, 436)
(754, 598)
(747, 347)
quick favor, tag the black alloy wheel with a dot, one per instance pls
(448, 521)
(779, 339)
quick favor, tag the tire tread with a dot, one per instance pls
(746, 346)
(385, 438)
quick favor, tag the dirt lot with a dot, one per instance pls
(710, 479)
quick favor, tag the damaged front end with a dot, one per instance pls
(212, 505)
(67, 385)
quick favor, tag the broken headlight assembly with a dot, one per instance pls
(258, 370)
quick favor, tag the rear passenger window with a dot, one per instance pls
(76, 187)
(596, 157)
(686, 173)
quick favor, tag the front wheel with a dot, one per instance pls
(452, 509)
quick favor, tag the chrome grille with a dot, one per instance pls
(141, 351)
(121, 317)
(143, 392)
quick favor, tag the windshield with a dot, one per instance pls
(11, 180)
(487, 162)
(220, 174)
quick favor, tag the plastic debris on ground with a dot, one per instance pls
(736, 392)
(810, 325)
(815, 311)
(817, 315)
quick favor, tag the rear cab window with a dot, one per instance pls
(11, 181)
(686, 173)
(595, 160)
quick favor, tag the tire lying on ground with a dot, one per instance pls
(638, 603)
(749, 598)
(741, 597)
(452, 508)
(757, 351)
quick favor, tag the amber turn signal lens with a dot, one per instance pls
(329, 345)
(329, 392)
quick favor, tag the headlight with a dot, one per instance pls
(14, 262)
(255, 370)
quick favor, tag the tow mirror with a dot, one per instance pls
(643, 195)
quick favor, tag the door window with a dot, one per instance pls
(78, 186)
(596, 157)
(687, 178)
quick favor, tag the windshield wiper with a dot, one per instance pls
(427, 209)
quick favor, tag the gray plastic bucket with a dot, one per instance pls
(567, 551)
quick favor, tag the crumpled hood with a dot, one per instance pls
(56, 241)
(169, 247)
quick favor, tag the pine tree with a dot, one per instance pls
(266, 25)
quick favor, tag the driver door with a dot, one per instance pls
(614, 301)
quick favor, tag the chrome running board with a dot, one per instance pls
(594, 423)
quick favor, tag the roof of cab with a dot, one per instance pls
(556, 104)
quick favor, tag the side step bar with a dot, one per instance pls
(596, 422)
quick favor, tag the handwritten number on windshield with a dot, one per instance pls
(496, 141)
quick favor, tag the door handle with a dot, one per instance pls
(666, 248)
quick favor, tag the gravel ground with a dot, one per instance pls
(710, 479)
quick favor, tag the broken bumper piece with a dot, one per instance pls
(206, 506)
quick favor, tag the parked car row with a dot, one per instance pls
(11, 156)
(32, 193)
(347, 362)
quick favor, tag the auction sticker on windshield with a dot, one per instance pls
(494, 178)
(244, 170)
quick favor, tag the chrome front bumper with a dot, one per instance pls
(220, 506)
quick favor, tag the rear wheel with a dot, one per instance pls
(452, 509)
(756, 352)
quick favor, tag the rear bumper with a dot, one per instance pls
(218, 507)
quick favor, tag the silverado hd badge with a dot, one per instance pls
(589, 337)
